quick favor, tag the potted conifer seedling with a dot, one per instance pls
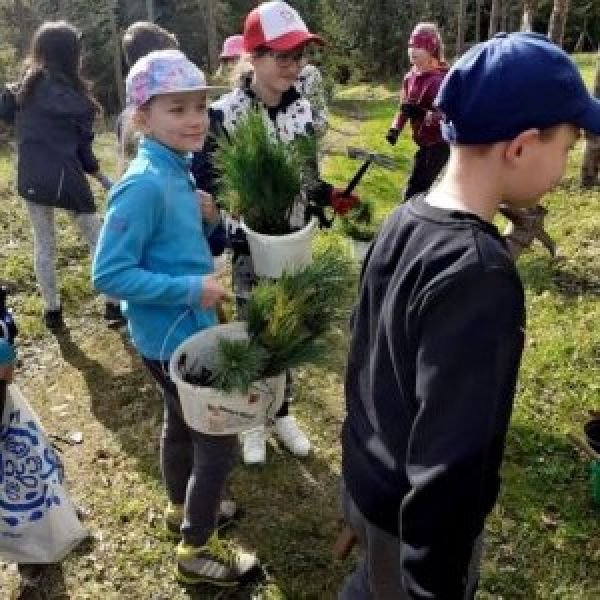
(231, 378)
(261, 177)
(360, 227)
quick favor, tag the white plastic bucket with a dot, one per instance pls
(359, 249)
(274, 254)
(213, 411)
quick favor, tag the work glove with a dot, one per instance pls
(239, 243)
(392, 135)
(342, 204)
(412, 111)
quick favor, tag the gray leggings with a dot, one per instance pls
(44, 246)
(194, 466)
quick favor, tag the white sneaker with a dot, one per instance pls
(254, 446)
(291, 436)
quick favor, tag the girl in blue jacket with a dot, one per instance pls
(153, 254)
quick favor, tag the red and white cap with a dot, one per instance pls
(277, 26)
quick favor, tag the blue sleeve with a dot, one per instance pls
(7, 352)
(135, 212)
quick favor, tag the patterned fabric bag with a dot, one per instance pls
(38, 523)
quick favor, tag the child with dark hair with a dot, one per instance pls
(54, 113)
(439, 325)
(143, 37)
(419, 89)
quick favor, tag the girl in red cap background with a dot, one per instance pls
(275, 38)
(419, 89)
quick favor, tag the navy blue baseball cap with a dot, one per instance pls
(511, 83)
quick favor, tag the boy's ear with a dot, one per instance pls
(516, 148)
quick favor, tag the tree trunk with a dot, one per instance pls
(494, 15)
(590, 168)
(529, 8)
(150, 10)
(478, 21)
(504, 15)
(558, 19)
(23, 28)
(461, 26)
(116, 44)
(211, 35)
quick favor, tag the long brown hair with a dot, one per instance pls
(55, 50)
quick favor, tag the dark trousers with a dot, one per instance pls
(194, 465)
(429, 161)
(377, 575)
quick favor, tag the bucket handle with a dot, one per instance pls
(173, 327)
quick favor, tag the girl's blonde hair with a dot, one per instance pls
(128, 138)
(433, 30)
(242, 69)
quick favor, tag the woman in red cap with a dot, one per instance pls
(419, 89)
(275, 38)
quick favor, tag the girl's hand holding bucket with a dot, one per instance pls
(212, 292)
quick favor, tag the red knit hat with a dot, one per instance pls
(277, 26)
(425, 40)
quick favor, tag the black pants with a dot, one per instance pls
(194, 465)
(429, 161)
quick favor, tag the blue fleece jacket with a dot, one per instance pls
(152, 252)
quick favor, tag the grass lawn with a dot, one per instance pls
(543, 537)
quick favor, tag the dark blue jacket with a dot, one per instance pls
(54, 135)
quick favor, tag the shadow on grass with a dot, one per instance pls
(540, 537)
(116, 400)
(540, 273)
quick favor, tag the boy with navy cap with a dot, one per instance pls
(438, 328)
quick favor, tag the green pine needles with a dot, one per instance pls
(239, 363)
(359, 223)
(288, 322)
(262, 175)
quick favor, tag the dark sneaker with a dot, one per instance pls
(217, 562)
(113, 315)
(228, 514)
(53, 319)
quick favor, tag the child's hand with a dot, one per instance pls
(210, 212)
(212, 292)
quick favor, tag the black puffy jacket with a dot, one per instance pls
(54, 135)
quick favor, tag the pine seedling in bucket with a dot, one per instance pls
(261, 175)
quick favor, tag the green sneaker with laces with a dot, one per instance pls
(173, 517)
(218, 563)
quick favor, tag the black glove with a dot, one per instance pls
(392, 135)
(412, 111)
(239, 243)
